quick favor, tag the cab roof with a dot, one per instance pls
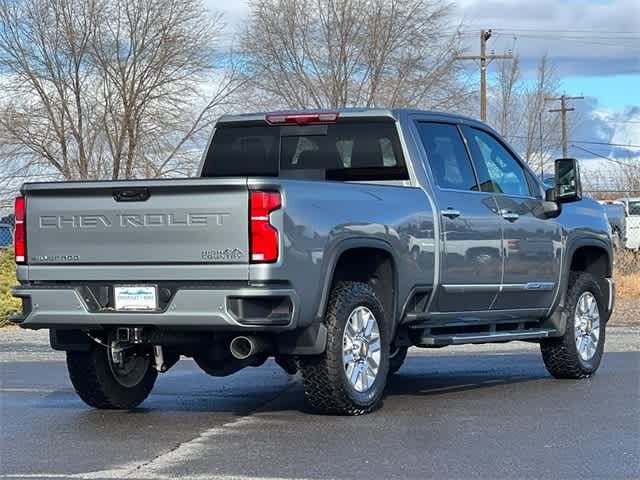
(395, 114)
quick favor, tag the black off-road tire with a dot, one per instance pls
(397, 359)
(560, 354)
(97, 386)
(326, 387)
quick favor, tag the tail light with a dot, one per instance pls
(263, 237)
(20, 235)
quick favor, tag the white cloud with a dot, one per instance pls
(590, 37)
(587, 37)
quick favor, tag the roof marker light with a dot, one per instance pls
(302, 118)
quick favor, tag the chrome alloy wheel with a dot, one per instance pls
(587, 326)
(361, 349)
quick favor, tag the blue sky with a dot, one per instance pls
(594, 46)
(614, 92)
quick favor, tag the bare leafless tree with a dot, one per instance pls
(546, 85)
(625, 174)
(519, 107)
(341, 53)
(506, 107)
(108, 88)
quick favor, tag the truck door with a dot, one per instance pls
(471, 260)
(532, 243)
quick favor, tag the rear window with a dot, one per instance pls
(343, 151)
(634, 207)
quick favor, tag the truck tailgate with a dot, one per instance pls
(157, 222)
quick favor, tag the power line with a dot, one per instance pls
(534, 28)
(552, 33)
(593, 153)
(633, 43)
(29, 175)
(567, 35)
(606, 143)
(587, 142)
(622, 121)
(613, 160)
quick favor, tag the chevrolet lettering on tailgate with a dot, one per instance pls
(128, 220)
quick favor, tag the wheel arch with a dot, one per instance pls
(348, 263)
(589, 255)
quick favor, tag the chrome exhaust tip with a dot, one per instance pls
(244, 347)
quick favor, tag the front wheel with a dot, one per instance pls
(102, 383)
(577, 354)
(350, 377)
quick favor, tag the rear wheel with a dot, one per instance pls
(103, 383)
(350, 377)
(577, 354)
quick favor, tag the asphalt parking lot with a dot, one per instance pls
(469, 412)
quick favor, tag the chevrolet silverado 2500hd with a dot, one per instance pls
(332, 241)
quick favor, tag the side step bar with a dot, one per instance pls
(484, 337)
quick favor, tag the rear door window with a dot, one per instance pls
(447, 156)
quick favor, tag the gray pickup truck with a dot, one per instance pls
(332, 241)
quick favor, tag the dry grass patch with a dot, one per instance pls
(627, 274)
(628, 286)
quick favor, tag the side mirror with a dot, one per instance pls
(568, 187)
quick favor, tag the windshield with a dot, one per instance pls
(357, 150)
(634, 207)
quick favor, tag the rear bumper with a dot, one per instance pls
(237, 309)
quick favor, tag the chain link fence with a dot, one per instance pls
(6, 226)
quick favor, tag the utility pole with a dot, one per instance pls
(541, 149)
(484, 61)
(563, 110)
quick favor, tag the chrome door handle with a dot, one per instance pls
(510, 216)
(450, 213)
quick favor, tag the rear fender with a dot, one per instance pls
(342, 247)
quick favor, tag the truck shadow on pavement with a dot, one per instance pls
(443, 374)
(268, 389)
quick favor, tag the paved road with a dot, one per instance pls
(472, 412)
